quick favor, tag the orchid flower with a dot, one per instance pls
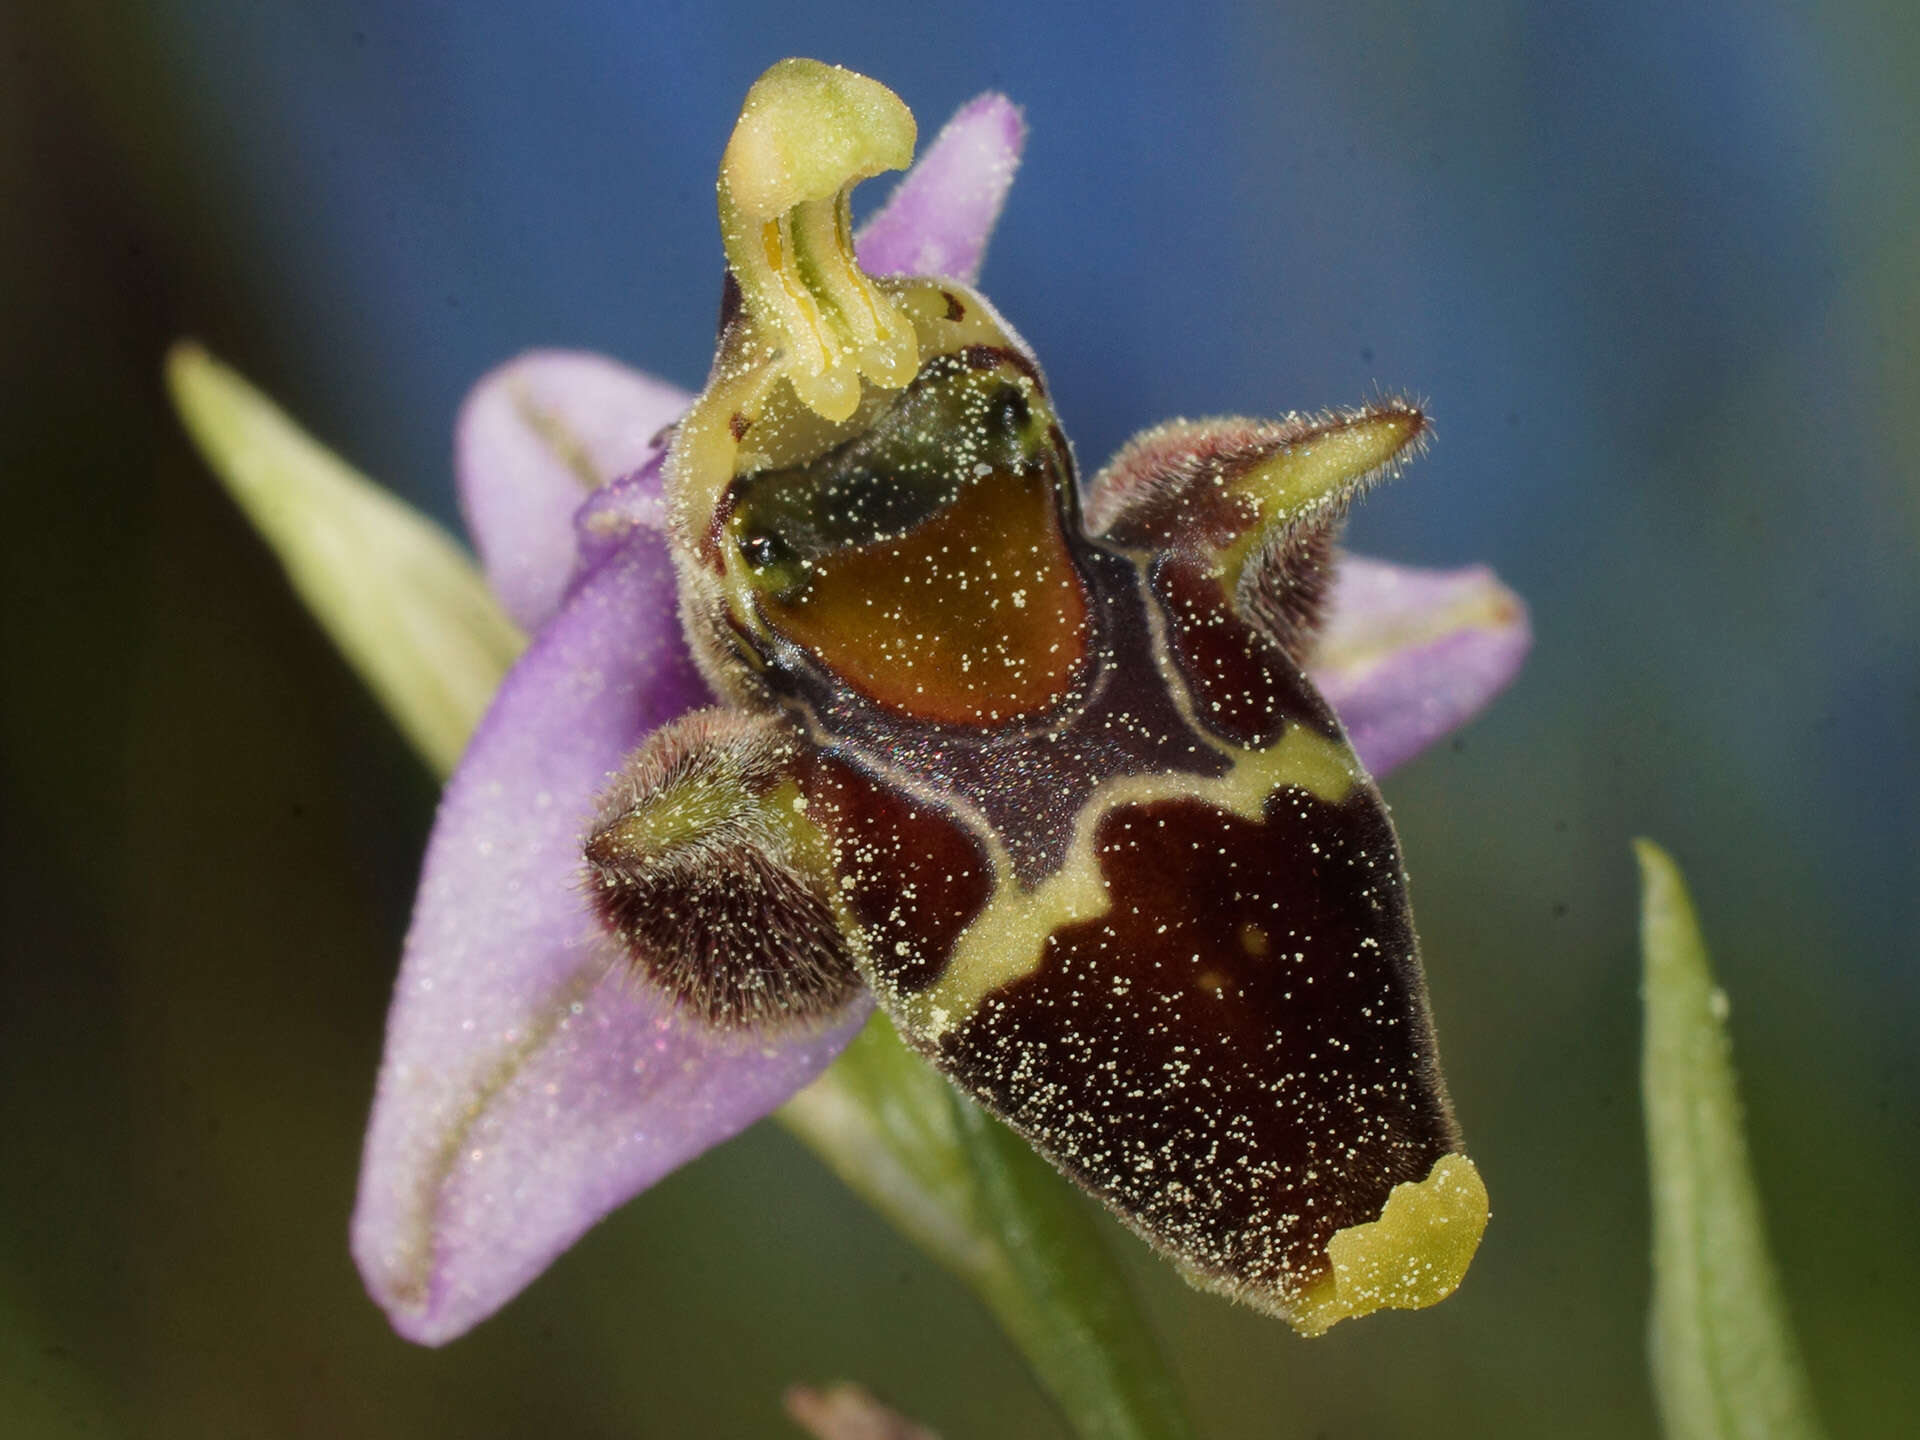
(528, 1086)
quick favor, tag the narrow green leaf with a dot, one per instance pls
(973, 1195)
(400, 598)
(1725, 1366)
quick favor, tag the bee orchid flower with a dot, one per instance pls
(531, 1081)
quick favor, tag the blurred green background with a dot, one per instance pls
(1658, 269)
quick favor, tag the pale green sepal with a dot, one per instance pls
(1725, 1365)
(975, 1197)
(401, 599)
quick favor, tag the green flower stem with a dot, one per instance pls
(1725, 1365)
(414, 617)
(975, 1197)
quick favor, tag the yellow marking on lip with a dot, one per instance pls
(1007, 941)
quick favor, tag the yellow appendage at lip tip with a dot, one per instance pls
(1413, 1256)
(807, 134)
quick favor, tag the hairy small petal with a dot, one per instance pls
(1408, 655)
(535, 438)
(529, 1086)
(939, 216)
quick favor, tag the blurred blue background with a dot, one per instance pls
(1657, 268)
